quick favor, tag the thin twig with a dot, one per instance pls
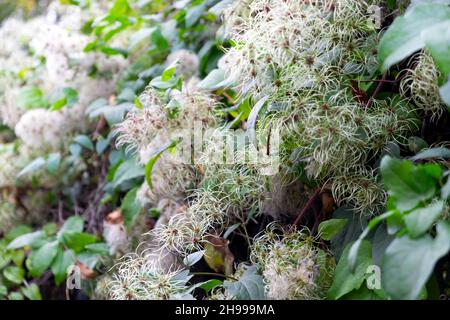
(308, 206)
(377, 91)
(60, 212)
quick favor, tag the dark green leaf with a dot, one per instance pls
(89, 259)
(406, 35)
(216, 79)
(63, 260)
(420, 220)
(206, 285)
(408, 263)
(78, 240)
(434, 153)
(32, 292)
(330, 228)
(128, 170)
(345, 280)
(407, 183)
(100, 248)
(84, 141)
(31, 97)
(72, 224)
(27, 240)
(14, 274)
(445, 191)
(34, 166)
(169, 71)
(53, 161)
(154, 158)
(18, 231)
(249, 287)
(42, 259)
(3, 291)
(63, 97)
(130, 207)
(193, 14)
(445, 92)
(15, 296)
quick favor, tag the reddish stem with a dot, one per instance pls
(377, 90)
(307, 206)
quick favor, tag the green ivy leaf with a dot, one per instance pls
(423, 25)
(41, 259)
(72, 224)
(363, 293)
(84, 141)
(159, 40)
(420, 220)
(3, 291)
(216, 79)
(407, 183)
(100, 248)
(30, 98)
(53, 162)
(206, 285)
(128, 170)
(433, 153)
(63, 97)
(130, 207)
(154, 158)
(14, 274)
(170, 71)
(354, 249)
(63, 260)
(5, 258)
(445, 92)
(89, 259)
(437, 41)
(17, 256)
(249, 287)
(140, 36)
(406, 35)
(34, 166)
(193, 14)
(126, 95)
(218, 8)
(32, 292)
(345, 279)
(75, 150)
(18, 231)
(330, 228)
(408, 263)
(27, 239)
(445, 191)
(113, 114)
(102, 144)
(161, 84)
(15, 296)
(78, 240)
(355, 226)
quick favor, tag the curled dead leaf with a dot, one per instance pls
(218, 255)
(86, 272)
(327, 203)
(114, 217)
(112, 100)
